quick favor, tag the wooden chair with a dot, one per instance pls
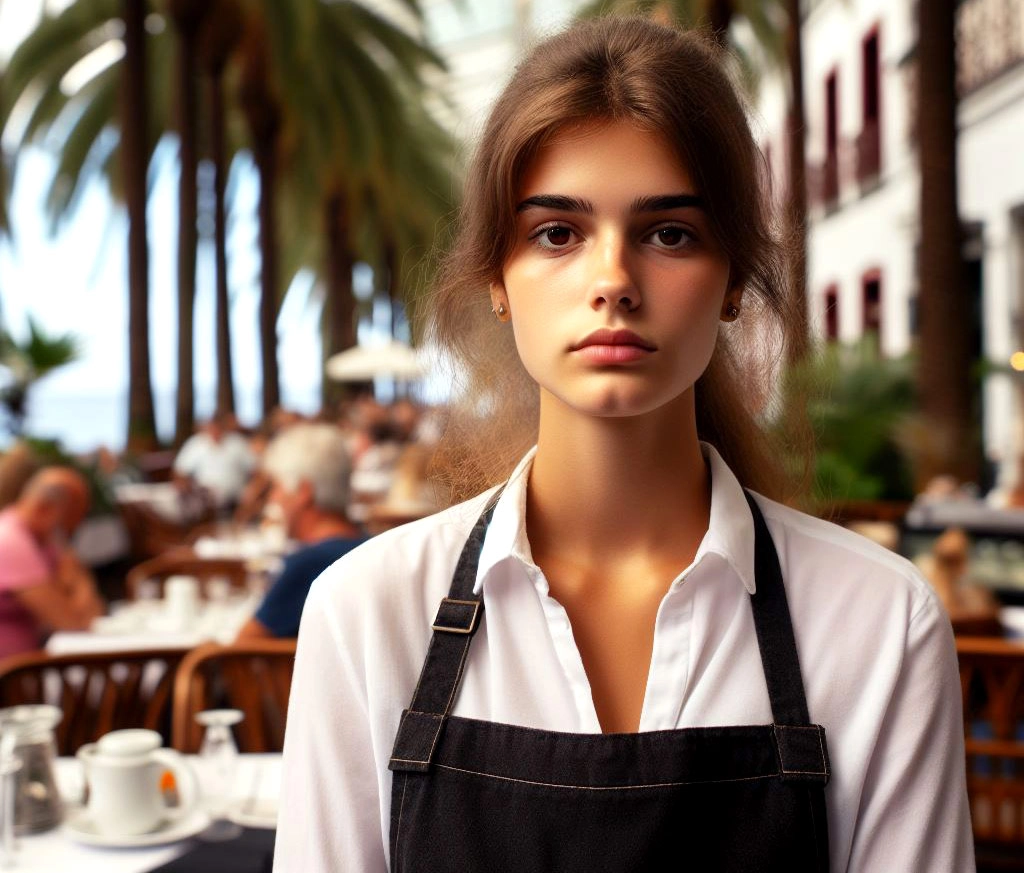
(253, 676)
(150, 534)
(992, 685)
(184, 562)
(98, 691)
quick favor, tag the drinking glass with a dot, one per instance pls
(218, 764)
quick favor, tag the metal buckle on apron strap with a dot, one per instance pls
(803, 754)
(457, 616)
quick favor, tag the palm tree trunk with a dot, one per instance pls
(187, 110)
(225, 374)
(796, 199)
(266, 161)
(340, 303)
(219, 35)
(141, 420)
(263, 113)
(944, 309)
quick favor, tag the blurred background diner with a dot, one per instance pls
(211, 255)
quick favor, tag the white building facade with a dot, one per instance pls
(859, 95)
(863, 229)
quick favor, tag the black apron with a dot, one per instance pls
(471, 795)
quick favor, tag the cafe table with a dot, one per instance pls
(145, 624)
(257, 787)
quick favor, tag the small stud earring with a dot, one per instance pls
(732, 310)
(500, 311)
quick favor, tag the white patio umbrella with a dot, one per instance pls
(393, 359)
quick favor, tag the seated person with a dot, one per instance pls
(309, 469)
(217, 459)
(43, 586)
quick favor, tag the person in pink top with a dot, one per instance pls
(43, 586)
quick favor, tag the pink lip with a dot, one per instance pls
(614, 347)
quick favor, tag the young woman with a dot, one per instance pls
(617, 658)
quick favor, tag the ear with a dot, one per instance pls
(732, 305)
(304, 493)
(499, 301)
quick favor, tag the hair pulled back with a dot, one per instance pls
(669, 82)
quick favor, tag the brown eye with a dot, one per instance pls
(671, 236)
(557, 236)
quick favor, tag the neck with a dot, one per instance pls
(605, 491)
(316, 524)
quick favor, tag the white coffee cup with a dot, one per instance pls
(123, 771)
(181, 600)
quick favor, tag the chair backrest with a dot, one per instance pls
(992, 685)
(98, 691)
(185, 562)
(253, 676)
(149, 533)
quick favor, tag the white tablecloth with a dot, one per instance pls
(143, 624)
(56, 852)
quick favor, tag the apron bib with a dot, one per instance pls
(472, 795)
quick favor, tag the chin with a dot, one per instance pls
(617, 402)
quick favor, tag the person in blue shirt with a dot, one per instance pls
(309, 468)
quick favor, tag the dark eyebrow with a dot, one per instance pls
(664, 202)
(557, 201)
(659, 203)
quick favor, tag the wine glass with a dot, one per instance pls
(218, 764)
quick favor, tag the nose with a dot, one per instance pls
(612, 283)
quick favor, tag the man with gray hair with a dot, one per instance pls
(309, 468)
(43, 586)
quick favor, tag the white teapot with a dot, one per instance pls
(123, 771)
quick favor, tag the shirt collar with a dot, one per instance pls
(730, 533)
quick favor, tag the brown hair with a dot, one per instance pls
(670, 82)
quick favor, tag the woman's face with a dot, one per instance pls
(615, 285)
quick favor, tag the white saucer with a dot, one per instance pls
(261, 814)
(80, 827)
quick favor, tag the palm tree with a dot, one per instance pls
(121, 95)
(187, 16)
(26, 363)
(306, 118)
(134, 126)
(219, 37)
(944, 372)
(263, 112)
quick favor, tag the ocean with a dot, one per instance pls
(84, 422)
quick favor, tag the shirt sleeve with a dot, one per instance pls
(914, 813)
(21, 564)
(330, 794)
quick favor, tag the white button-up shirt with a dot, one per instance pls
(876, 650)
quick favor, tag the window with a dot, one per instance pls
(871, 287)
(831, 169)
(832, 313)
(869, 142)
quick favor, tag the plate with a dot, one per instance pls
(80, 827)
(255, 814)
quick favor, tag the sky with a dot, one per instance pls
(76, 281)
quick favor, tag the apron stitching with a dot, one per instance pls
(814, 828)
(605, 787)
(398, 828)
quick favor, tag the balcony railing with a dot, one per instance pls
(990, 40)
